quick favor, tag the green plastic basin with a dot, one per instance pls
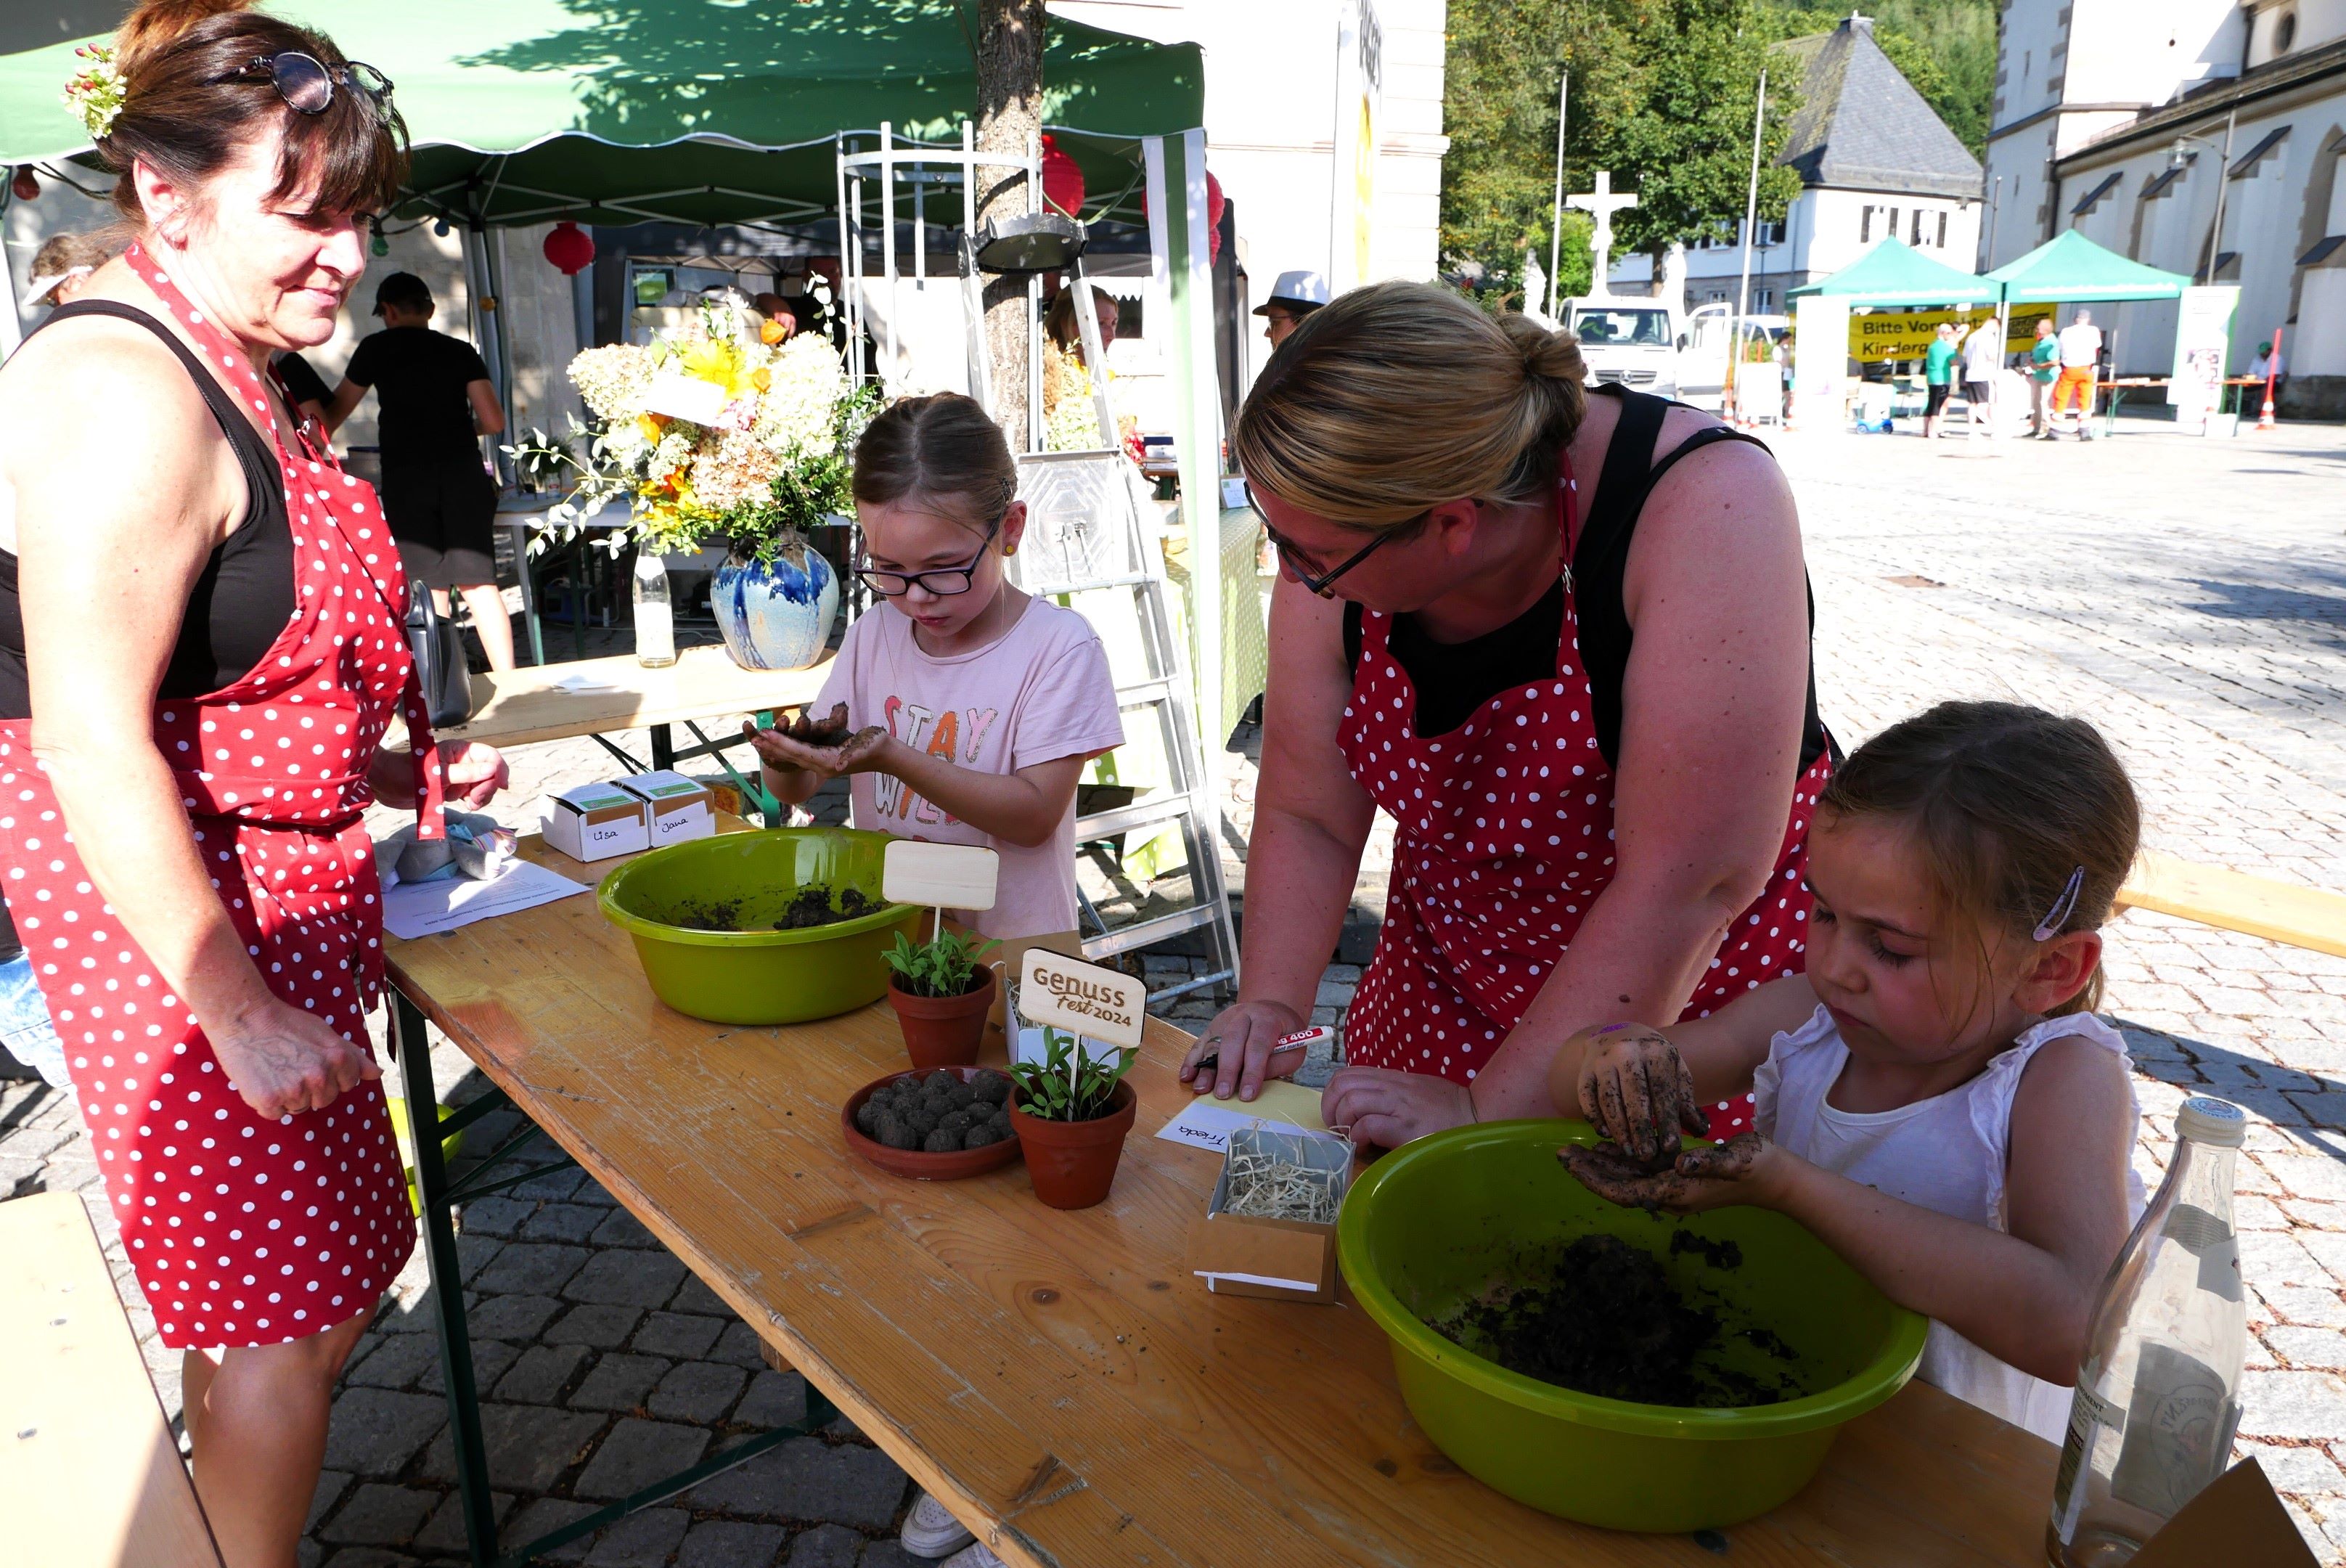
(757, 976)
(1437, 1222)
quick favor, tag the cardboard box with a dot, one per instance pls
(1280, 1259)
(675, 807)
(596, 822)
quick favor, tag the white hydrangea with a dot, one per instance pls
(796, 413)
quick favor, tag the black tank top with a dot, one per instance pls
(241, 600)
(1454, 679)
(243, 597)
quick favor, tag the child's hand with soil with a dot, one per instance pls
(1734, 1172)
(1637, 1092)
(817, 746)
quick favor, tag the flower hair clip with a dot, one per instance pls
(94, 92)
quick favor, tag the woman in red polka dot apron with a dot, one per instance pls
(184, 858)
(1500, 754)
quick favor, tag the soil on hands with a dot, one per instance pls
(942, 1113)
(807, 730)
(812, 906)
(1605, 1319)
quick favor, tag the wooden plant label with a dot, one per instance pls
(1062, 992)
(942, 876)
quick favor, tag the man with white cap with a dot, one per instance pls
(61, 269)
(1295, 296)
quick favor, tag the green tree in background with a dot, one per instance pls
(1946, 48)
(1662, 95)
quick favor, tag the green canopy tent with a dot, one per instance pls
(1894, 273)
(2072, 270)
(709, 112)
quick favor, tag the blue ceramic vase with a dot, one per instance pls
(776, 615)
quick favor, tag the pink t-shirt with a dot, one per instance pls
(1040, 692)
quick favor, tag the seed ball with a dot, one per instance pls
(944, 1140)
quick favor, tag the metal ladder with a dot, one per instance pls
(1084, 534)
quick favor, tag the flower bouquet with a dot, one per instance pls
(719, 430)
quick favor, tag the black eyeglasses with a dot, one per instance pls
(942, 581)
(1305, 570)
(307, 84)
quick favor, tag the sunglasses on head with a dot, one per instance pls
(307, 84)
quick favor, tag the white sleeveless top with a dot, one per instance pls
(1948, 1154)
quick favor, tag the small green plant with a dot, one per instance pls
(945, 967)
(1064, 1086)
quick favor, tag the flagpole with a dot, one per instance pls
(1555, 216)
(1750, 222)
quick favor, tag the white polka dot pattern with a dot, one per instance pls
(244, 1231)
(1504, 839)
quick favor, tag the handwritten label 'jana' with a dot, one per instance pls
(1065, 992)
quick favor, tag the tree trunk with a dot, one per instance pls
(1009, 117)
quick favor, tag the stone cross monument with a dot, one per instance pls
(1603, 203)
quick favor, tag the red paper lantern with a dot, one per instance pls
(1063, 179)
(570, 249)
(27, 186)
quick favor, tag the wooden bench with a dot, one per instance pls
(2233, 900)
(90, 1474)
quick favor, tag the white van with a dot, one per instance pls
(1633, 342)
(1702, 362)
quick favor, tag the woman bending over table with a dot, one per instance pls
(200, 652)
(1563, 640)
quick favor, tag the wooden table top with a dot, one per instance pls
(513, 707)
(1059, 1379)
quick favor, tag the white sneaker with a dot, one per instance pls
(972, 1555)
(932, 1531)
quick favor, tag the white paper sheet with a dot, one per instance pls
(425, 908)
(581, 682)
(1206, 1123)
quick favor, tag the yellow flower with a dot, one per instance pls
(651, 424)
(719, 361)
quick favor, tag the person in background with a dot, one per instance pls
(1982, 358)
(2267, 364)
(434, 401)
(61, 269)
(1938, 378)
(1294, 295)
(781, 322)
(1070, 418)
(2081, 354)
(308, 393)
(1065, 332)
(2045, 367)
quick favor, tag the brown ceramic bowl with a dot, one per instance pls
(913, 1162)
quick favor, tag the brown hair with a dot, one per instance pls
(189, 104)
(940, 445)
(64, 252)
(1398, 396)
(2006, 803)
(1059, 322)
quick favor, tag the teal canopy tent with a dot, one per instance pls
(2074, 270)
(1894, 273)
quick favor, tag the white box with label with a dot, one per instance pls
(675, 807)
(596, 822)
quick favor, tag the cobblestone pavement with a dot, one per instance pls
(2189, 596)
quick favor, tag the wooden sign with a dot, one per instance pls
(1061, 993)
(942, 876)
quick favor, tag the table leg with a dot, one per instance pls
(663, 749)
(412, 1045)
(529, 594)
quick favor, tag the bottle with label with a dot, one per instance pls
(2158, 1393)
(655, 622)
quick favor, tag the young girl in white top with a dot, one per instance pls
(970, 706)
(1936, 1100)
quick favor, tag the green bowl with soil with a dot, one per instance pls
(1745, 1340)
(773, 927)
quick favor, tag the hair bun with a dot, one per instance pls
(155, 24)
(1549, 355)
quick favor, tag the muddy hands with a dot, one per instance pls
(1637, 1092)
(1697, 1179)
(821, 746)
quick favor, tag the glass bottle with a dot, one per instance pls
(655, 620)
(2158, 1393)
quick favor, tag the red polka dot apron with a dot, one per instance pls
(245, 1231)
(1504, 840)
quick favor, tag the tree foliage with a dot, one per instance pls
(1663, 93)
(1946, 48)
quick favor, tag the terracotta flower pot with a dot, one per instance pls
(944, 1031)
(1074, 1163)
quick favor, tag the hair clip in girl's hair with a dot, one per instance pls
(94, 92)
(2062, 907)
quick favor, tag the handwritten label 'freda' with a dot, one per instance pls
(1087, 998)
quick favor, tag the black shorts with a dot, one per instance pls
(1977, 394)
(1936, 400)
(444, 515)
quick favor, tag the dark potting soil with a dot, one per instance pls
(1607, 1321)
(941, 1113)
(812, 907)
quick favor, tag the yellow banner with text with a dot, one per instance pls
(1881, 335)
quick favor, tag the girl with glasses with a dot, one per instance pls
(971, 708)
